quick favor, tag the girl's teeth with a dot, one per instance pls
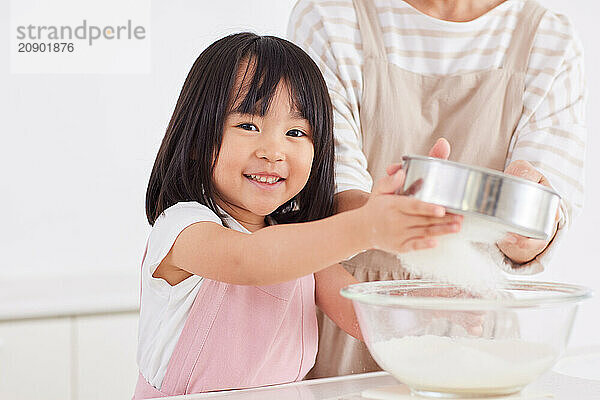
(264, 179)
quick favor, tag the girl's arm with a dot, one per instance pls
(270, 255)
(284, 252)
(328, 283)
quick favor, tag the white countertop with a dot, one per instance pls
(68, 295)
(550, 386)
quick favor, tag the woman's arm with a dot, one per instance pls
(550, 140)
(350, 200)
(344, 81)
(328, 283)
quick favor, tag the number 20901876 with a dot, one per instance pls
(26, 47)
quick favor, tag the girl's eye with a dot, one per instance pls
(248, 127)
(295, 133)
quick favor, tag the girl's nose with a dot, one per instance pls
(271, 150)
(270, 155)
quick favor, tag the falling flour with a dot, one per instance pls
(469, 258)
(463, 365)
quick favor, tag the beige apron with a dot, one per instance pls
(402, 112)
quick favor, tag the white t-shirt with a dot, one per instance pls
(165, 308)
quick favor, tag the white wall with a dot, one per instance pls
(77, 150)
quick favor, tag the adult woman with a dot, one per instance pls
(501, 79)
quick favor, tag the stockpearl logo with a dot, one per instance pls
(80, 36)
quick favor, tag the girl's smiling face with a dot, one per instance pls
(263, 161)
(229, 131)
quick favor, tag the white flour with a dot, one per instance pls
(462, 365)
(469, 258)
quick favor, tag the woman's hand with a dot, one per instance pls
(399, 223)
(519, 248)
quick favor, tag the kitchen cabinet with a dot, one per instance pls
(72, 337)
(85, 357)
(35, 359)
(104, 363)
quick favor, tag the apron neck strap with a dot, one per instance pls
(517, 57)
(521, 43)
(370, 31)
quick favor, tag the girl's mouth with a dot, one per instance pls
(264, 180)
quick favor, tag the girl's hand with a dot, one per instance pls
(519, 248)
(399, 223)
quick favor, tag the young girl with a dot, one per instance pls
(240, 199)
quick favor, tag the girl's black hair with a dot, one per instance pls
(187, 156)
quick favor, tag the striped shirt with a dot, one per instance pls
(550, 134)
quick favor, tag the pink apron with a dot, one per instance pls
(240, 337)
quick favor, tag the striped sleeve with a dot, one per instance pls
(552, 134)
(310, 27)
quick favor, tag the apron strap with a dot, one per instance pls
(521, 43)
(370, 31)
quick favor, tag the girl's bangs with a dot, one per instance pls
(260, 73)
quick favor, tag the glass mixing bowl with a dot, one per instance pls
(443, 341)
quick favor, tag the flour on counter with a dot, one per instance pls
(462, 365)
